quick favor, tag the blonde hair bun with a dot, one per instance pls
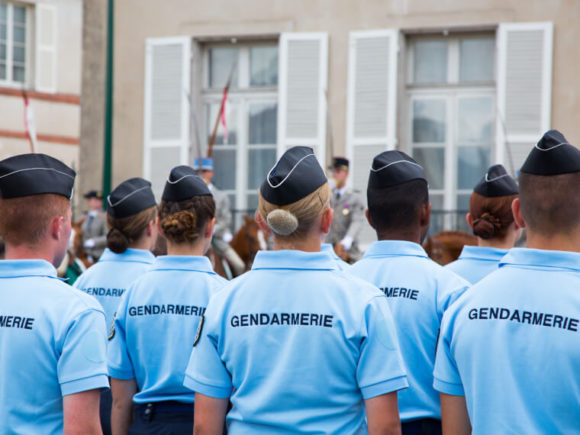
(282, 222)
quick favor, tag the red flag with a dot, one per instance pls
(29, 123)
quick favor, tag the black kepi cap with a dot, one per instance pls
(552, 155)
(130, 197)
(35, 174)
(339, 163)
(390, 168)
(496, 182)
(183, 183)
(297, 174)
(93, 194)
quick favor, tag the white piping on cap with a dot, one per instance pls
(289, 173)
(125, 197)
(488, 180)
(37, 169)
(393, 163)
(551, 148)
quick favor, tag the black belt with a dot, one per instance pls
(169, 406)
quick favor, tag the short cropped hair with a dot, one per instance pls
(550, 204)
(26, 220)
(397, 207)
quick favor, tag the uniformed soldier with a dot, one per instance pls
(417, 289)
(158, 316)
(131, 216)
(348, 212)
(52, 337)
(509, 351)
(297, 345)
(491, 219)
(94, 227)
(222, 233)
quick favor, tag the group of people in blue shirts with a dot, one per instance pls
(301, 343)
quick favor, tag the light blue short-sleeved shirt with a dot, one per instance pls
(298, 345)
(112, 275)
(418, 291)
(156, 323)
(476, 262)
(340, 263)
(52, 344)
(511, 345)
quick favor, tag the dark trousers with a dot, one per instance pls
(105, 410)
(162, 418)
(422, 426)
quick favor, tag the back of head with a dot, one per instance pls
(294, 194)
(397, 189)
(549, 181)
(490, 204)
(34, 189)
(130, 208)
(186, 206)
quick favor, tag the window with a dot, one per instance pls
(451, 92)
(241, 162)
(13, 43)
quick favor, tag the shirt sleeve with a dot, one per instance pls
(449, 290)
(82, 363)
(119, 361)
(446, 375)
(206, 372)
(380, 368)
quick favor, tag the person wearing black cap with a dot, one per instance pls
(94, 226)
(348, 217)
(52, 337)
(297, 345)
(491, 219)
(417, 289)
(508, 354)
(157, 318)
(131, 219)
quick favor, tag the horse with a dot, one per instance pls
(445, 246)
(76, 260)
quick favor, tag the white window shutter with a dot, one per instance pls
(303, 77)
(524, 88)
(372, 99)
(166, 126)
(46, 44)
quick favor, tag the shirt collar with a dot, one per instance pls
(542, 258)
(130, 255)
(482, 253)
(294, 259)
(21, 268)
(341, 191)
(183, 262)
(327, 247)
(384, 248)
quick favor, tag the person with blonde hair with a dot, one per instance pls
(157, 318)
(295, 344)
(491, 219)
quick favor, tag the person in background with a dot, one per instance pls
(157, 318)
(297, 345)
(417, 289)
(348, 217)
(491, 219)
(94, 226)
(222, 233)
(131, 219)
(52, 337)
(508, 353)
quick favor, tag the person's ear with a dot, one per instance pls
(368, 215)
(208, 231)
(517, 212)
(159, 229)
(469, 220)
(263, 225)
(326, 220)
(425, 215)
(56, 227)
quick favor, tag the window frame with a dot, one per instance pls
(9, 81)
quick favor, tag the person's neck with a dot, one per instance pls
(306, 244)
(145, 243)
(405, 236)
(554, 242)
(341, 185)
(25, 252)
(196, 248)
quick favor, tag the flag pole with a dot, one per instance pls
(219, 114)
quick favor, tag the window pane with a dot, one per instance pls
(221, 62)
(3, 12)
(18, 54)
(2, 71)
(429, 121)
(476, 59)
(263, 122)
(252, 203)
(224, 166)
(472, 162)
(259, 163)
(433, 161)
(463, 202)
(18, 74)
(264, 66)
(3, 32)
(231, 123)
(3, 52)
(475, 120)
(19, 34)
(430, 62)
(437, 214)
(19, 14)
